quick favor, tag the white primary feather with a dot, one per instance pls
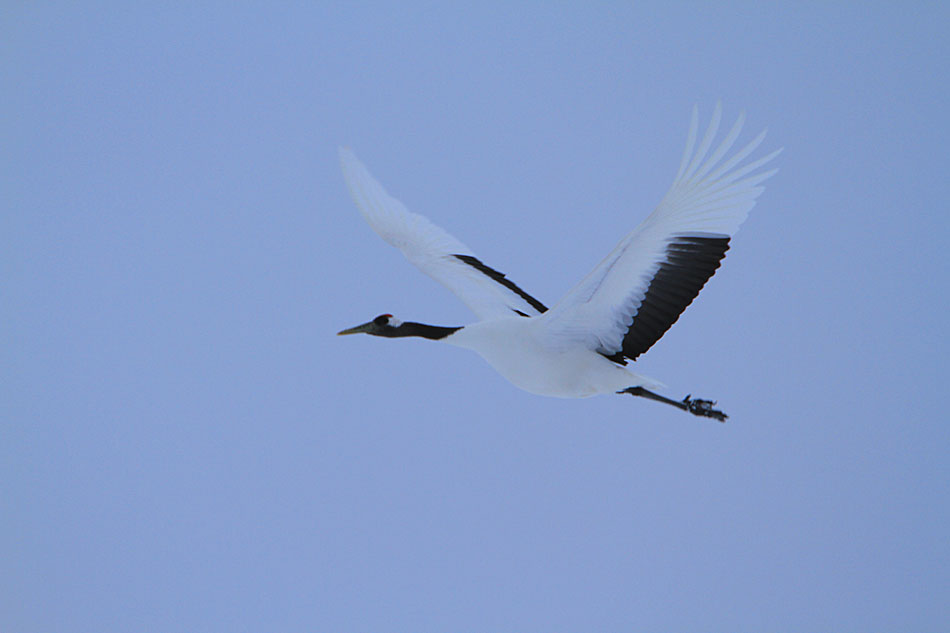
(428, 247)
(708, 198)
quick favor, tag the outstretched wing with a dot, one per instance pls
(486, 291)
(640, 289)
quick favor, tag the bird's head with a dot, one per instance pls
(383, 325)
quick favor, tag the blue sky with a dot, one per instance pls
(186, 446)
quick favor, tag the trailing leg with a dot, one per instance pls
(702, 408)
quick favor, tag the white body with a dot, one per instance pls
(564, 351)
(521, 350)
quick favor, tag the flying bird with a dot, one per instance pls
(581, 345)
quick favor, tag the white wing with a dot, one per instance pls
(639, 290)
(486, 291)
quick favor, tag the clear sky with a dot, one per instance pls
(186, 446)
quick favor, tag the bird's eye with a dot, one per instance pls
(382, 319)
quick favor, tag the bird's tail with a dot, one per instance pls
(638, 380)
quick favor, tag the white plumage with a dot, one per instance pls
(579, 346)
(427, 246)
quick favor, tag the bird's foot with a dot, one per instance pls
(704, 408)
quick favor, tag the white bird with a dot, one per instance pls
(580, 346)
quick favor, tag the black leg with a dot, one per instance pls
(703, 408)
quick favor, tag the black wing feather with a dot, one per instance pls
(499, 277)
(689, 263)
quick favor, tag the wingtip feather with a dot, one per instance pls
(705, 144)
(690, 142)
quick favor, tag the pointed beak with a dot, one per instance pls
(359, 329)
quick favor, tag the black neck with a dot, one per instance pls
(410, 328)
